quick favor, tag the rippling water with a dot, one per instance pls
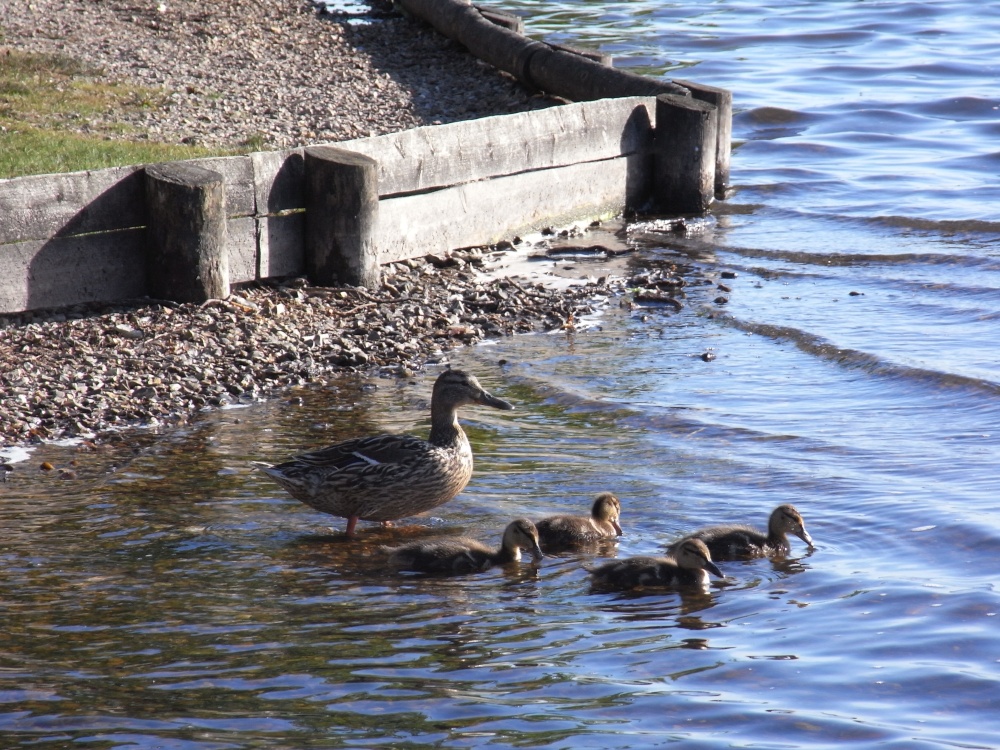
(183, 601)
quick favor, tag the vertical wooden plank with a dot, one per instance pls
(723, 101)
(341, 217)
(684, 154)
(187, 259)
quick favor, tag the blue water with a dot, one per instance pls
(184, 601)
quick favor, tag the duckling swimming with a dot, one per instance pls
(740, 541)
(386, 477)
(465, 555)
(567, 532)
(689, 566)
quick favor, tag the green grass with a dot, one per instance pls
(43, 99)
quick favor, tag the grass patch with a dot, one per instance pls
(34, 151)
(47, 100)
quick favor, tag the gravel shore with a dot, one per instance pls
(87, 370)
(279, 69)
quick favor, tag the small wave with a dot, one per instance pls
(959, 108)
(826, 260)
(769, 123)
(944, 226)
(857, 359)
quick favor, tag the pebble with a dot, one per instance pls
(82, 372)
(277, 74)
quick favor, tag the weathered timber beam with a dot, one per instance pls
(554, 71)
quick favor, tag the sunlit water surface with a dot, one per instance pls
(183, 601)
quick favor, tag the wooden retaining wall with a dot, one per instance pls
(113, 234)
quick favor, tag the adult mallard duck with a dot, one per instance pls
(386, 477)
(689, 566)
(740, 541)
(567, 532)
(465, 555)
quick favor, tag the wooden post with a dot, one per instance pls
(723, 101)
(186, 257)
(341, 215)
(684, 149)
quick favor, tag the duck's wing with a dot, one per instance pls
(362, 452)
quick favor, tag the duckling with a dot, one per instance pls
(689, 566)
(565, 532)
(740, 541)
(386, 477)
(465, 555)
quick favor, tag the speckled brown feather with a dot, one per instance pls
(690, 567)
(742, 541)
(464, 555)
(386, 477)
(567, 532)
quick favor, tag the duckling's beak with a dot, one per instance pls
(712, 568)
(488, 399)
(618, 529)
(804, 536)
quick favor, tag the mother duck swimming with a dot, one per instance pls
(386, 477)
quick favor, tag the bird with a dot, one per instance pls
(689, 566)
(465, 555)
(740, 541)
(566, 532)
(387, 477)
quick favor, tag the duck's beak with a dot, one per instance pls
(536, 553)
(804, 536)
(488, 399)
(712, 568)
(618, 529)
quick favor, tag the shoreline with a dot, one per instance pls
(89, 371)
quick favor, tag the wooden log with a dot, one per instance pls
(62, 205)
(101, 267)
(535, 64)
(481, 213)
(684, 155)
(723, 101)
(443, 155)
(341, 217)
(186, 257)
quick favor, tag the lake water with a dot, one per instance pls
(185, 602)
